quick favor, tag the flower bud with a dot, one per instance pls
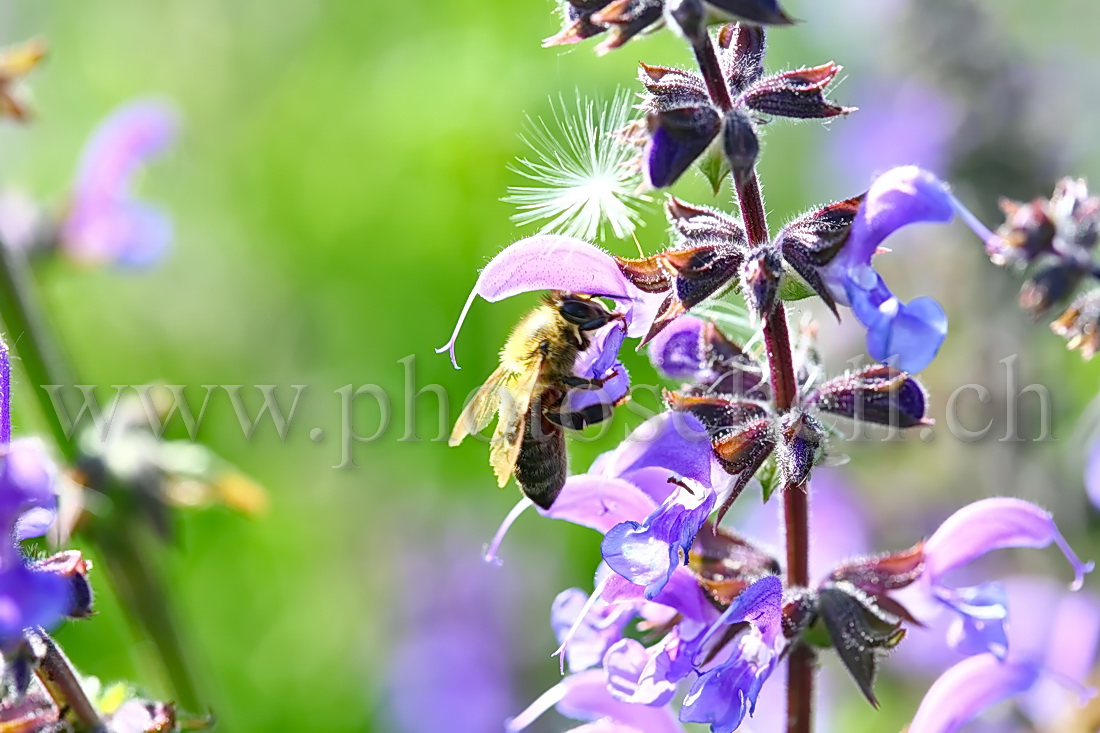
(741, 453)
(699, 225)
(802, 436)
(740, 144)
(878, 394)
(878, 575)
(760, 275)
(754, 11)
(677, 137)
(814, 240)
(71, 566)
(1049, 286)
(719, 415)
(1079, 325)
(799, 94)
(1028, 232)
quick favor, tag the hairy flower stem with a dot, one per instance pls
(800, 689)
(711, 70)
(127, 558)
(62, 683)
(777, 343)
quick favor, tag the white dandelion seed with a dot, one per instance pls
(585, 177)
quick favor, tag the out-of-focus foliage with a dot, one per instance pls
(336, 188)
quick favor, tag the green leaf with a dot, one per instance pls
(768, 476)
(817, 635)
(793, 287)
(714, 167)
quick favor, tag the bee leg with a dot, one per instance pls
(584, 383)
(580, 419)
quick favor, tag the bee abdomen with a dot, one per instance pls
(541, 467)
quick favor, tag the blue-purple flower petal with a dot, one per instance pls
(105, 223)
(677, 351)
(967, 689)
(647, 553)
(677, 139)
(910, 333)
(674, 441)
(979, 626)
(993, 524)
(600, 361)
(584, 696)
(899, 197)
(599, 502)
(27, 476)
(28, 598)
(726, 693)
(906, 335)
(554, 262)
(601, 627)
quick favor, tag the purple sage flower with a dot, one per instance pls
(585, 696)
(631, 482)
(647, 553)
(726, 693)
(1054, 633)
(460, 658)
(105, 223)
(1052, 652)
(556, 262)
(29, 595)
(906, 334)
(683, 122)
(973, 531)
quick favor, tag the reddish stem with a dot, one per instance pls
(777, 344)
(800, 689)
(711, 70)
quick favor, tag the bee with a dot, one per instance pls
(527, 393)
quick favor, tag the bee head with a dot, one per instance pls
(582, 311)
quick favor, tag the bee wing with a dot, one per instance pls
(508, 437)
(479, 413)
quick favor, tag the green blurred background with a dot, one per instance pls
(335, 190)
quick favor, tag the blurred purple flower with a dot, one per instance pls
(1055, 631)
(105, 223)
(556, 262)
(903, 122)
(971, 532)
(454, 657)
(1092, 474)
(585, 696)
(594, 625)
(968, 688)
